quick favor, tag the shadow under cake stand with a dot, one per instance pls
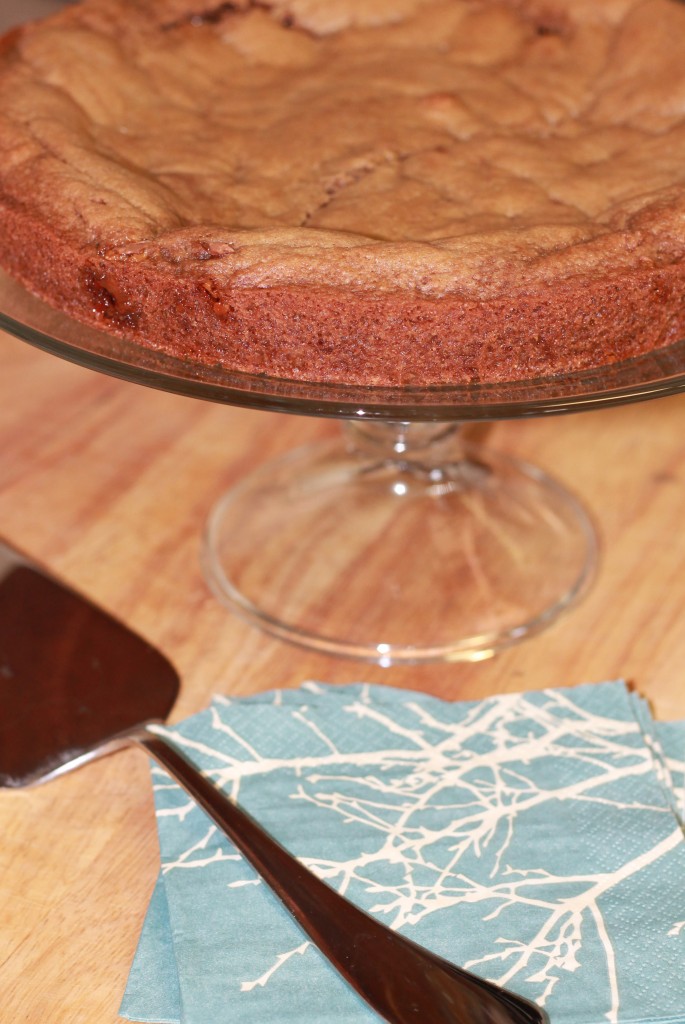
(469, 550)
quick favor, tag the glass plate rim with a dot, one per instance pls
(655, 374)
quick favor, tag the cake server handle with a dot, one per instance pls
(400, 980)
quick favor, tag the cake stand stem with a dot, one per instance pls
(407, 543)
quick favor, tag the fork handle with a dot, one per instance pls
(400, 980)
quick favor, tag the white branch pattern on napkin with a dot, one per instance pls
(513, 835)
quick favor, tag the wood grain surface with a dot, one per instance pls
(109, 484)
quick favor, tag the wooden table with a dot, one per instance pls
(109, 483)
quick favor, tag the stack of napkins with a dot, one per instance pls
(536, 839)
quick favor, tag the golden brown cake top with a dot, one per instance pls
(459, 146)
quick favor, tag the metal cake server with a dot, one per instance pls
(76, 684)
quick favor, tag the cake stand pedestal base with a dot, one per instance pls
(473, 550)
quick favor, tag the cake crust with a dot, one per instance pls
(389, 192)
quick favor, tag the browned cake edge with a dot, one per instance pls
(349, 336)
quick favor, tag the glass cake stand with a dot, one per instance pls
(474, 550)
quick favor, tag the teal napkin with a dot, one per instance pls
(534, 838)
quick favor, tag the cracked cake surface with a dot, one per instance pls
(366, 191)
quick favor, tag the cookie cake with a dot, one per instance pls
(380, 192)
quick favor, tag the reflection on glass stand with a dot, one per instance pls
(474, 550)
